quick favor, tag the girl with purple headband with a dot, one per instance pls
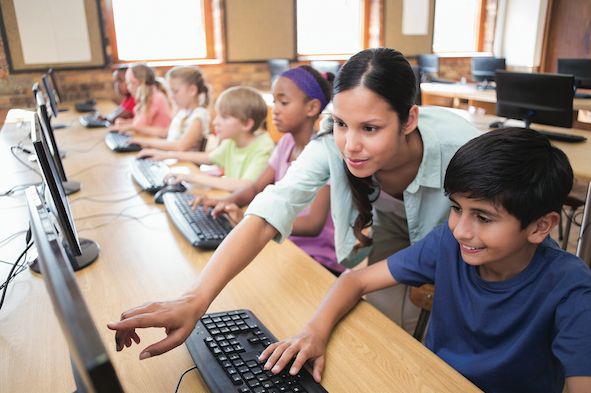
(385, 159)
(300, 95)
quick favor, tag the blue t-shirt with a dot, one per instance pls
(525, 334)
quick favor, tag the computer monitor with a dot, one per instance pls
(81, 252)
(484, 68)
(51, 95)
(70, 186)
(91, 366)
(428, 64)
(277, 67)
(56, 88)
(535, 98)
(580, 68)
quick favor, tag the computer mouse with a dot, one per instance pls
(176, 187)
(496, 124)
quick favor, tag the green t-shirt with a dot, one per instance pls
(243, 163)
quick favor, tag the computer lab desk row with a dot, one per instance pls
(144, 258)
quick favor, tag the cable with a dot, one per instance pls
(92, 167)
(118, 215)
(17, 188)
(12, 237)
(93, 199)
(87, 150)
(181, 378)
(12, 148)
(10, 274)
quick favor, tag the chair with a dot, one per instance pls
(324, 66)
(574, 200)
(276, 67)
(422, 297)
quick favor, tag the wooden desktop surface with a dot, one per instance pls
(146, 259)
(469, 91)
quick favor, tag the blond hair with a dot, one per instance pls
(147, 79)
(243, 103)
(192, 76)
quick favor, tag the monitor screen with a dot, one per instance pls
(56, 88)
(48, 135)
(50, 95)
(580, 68)
(428, 63)
(57, 195)
(484, 68)
(535, 98)
(277, 67)
(91, 366)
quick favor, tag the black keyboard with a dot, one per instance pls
(557, 136)
(120, 143)
(92, 121)
(225, 348)
(198, 226)
(149, 174)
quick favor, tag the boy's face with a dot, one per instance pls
(227, 126)
(490, 237)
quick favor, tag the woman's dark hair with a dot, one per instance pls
(516, 168)
(387, 73)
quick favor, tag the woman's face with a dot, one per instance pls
(131, 81)
(366, 131)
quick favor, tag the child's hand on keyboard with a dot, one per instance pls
(154, 154)
(308, 345)
(205, 201)
(178, 317)
(231, 210)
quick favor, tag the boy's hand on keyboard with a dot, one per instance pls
(308, 345)
(178, 317)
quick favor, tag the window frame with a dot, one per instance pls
(212, 56)
(480, 36)
(365, 18)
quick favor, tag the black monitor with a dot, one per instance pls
(277, 67)
(56, 88)
(81, 252)
(580, 68)
(70, 186)
(51, 94)
(428, 64)
(91, 366)
(535, 98)
(484, 68)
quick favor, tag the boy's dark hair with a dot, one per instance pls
(516, 168)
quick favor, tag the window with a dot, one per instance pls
(458, 26)
(144, 30)
(330, 27)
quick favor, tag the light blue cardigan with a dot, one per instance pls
(442, 132)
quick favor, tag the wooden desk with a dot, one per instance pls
(431, 93)
(148, 259)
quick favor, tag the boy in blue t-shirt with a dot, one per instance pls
(512, 311)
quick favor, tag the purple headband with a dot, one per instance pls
(308, 84)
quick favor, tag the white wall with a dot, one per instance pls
(520, 31)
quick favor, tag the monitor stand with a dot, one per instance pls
(58, 126)
(90, 252)
(71, 186)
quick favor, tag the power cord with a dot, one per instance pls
(87, 150)
(17, 188)
(181, 378)
(117, 216)
(97, 200)
(18, 147)
(12, 273)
